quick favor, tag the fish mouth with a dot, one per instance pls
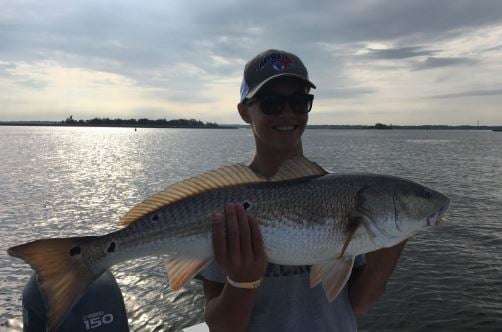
(435, 218)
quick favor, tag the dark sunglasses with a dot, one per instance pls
(274, 104)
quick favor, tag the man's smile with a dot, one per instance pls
(284, 128)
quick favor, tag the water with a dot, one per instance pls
(76, 181)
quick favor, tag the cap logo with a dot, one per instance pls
(278, 61)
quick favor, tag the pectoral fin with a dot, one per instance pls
(180, 271)
(316, 274)
(353, 224)
(333, 274)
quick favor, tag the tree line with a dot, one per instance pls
(178, 123)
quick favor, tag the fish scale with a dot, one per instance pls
(285, 211)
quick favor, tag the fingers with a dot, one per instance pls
(244, 232)
(238, 244)
(233, 236)
(219, 239)
(256, 237)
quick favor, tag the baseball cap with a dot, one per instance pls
(269, 65)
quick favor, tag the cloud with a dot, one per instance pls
(351, 92)
(399, 53)
(172, 56)
(492, 49)
(19, 76)
(151, 113)
(34, 84)
(6, 68)
(432, 62)
(477, 93)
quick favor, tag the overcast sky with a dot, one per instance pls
(389, 61)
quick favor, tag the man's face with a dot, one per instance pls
(281, 131)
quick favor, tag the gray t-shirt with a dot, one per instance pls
(285, 302)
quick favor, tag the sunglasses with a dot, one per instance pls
(274, 104)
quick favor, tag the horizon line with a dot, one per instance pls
(61, 122)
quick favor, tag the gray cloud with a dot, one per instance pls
(476, 93)
(6, 72)
(337, 21)
(491, 49)
(34, 84)
(339, 93)
(151, 113)
(152, 44)
(185, 96)
(140, 37)
(399, 53)
(432, 62)
(6, 69)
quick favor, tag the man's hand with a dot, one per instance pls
(239, 252)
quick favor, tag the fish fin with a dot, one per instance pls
(63, 278)
(336, 273)
(180, 271)
(223, 177)
(353, 224)
(298, 167)
(316, 274)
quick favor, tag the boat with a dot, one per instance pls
(202, 327)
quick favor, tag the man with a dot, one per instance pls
(244, 292)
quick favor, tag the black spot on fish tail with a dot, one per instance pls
(111, 247)
(75, 251)
(155, 217)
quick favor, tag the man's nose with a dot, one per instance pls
(287, 109)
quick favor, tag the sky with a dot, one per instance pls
(406, 62)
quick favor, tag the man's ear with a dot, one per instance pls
(243, 112)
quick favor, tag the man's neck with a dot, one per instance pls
(267, 162)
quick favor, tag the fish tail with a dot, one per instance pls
(62, 271)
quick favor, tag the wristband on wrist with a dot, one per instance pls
(247, 285)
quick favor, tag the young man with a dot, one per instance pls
(275, 102)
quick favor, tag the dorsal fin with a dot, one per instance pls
(298, 167)
(227, 176)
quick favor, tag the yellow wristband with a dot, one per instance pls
(247, 285)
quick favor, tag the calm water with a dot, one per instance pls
(76, 181)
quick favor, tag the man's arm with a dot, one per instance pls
(369, 281)
(240, 254)
(227, 308)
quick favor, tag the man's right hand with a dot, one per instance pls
(239, 251)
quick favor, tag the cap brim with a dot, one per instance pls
(253, 92)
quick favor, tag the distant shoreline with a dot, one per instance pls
(417, 127)
(59, 124)
(123, 123)
(237, 126)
